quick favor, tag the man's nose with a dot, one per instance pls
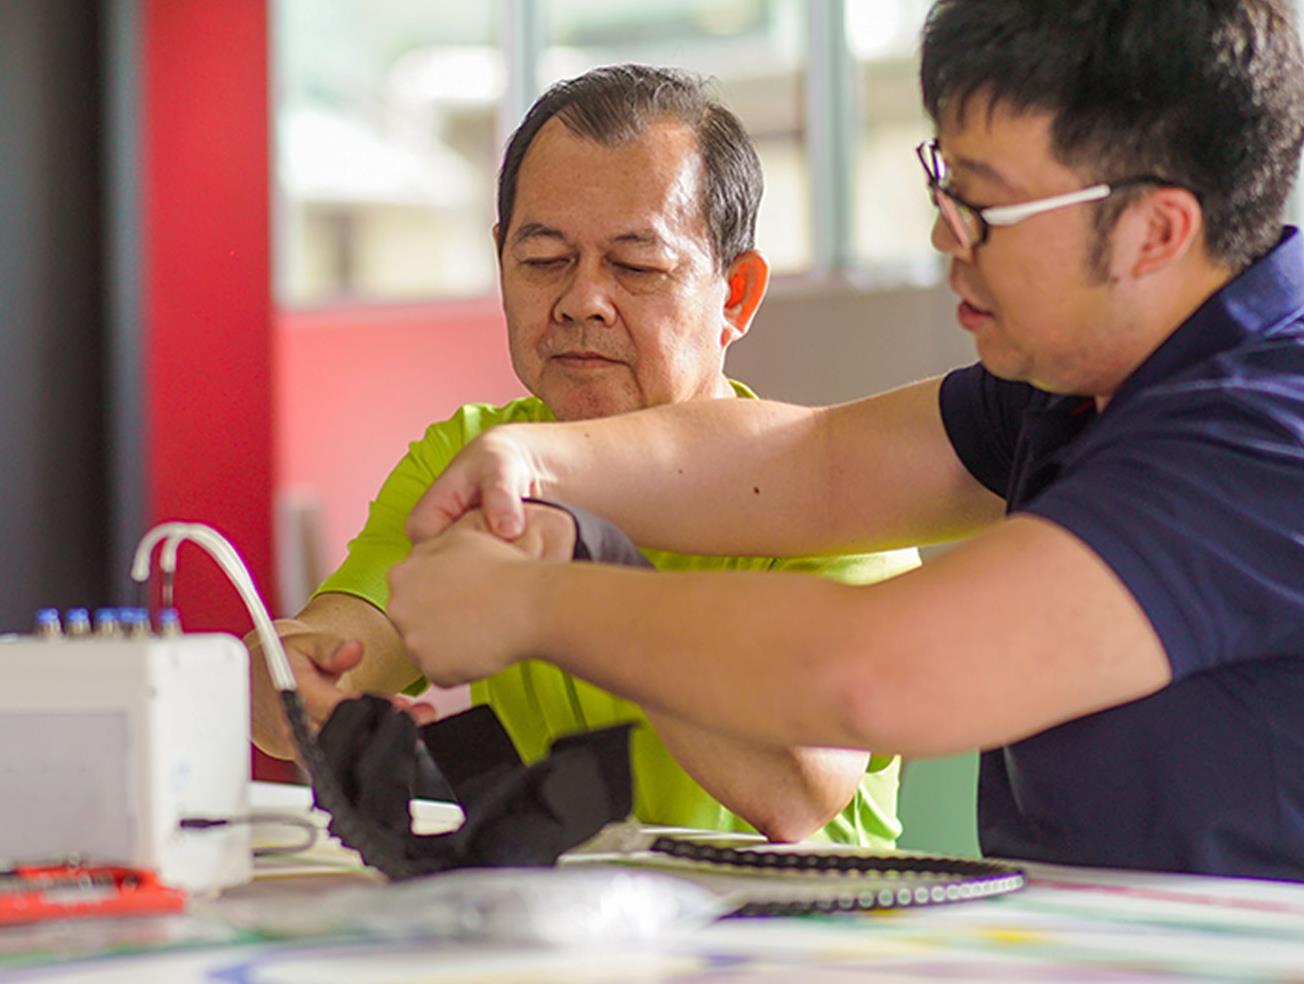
(586, 297)
(946, 242)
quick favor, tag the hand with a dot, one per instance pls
(493, 473)
(549, 532)
(453, 604)
(318, 660)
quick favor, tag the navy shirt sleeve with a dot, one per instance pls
(1193, 494)
(983, 416)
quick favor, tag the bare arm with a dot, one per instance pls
(733, 476)
(337, 646)
(785, 792)
(1015, 631)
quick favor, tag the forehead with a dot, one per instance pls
(580, 186)
(999, 147)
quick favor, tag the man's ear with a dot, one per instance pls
(1167, 224)
(748, 278)
(498, 256)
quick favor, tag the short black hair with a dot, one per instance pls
(615, 104)
(1208, 94)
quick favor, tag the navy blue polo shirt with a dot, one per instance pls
(1190, 486)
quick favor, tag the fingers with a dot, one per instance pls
(549, 533)
(341, 659)
(493, 473)
(317, 660)
(423, 714)
(504, 511)
(320, 695)
(436, 511)
(418, 710)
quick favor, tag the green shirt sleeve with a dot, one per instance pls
(383, 542)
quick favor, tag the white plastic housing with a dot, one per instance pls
(105, 745)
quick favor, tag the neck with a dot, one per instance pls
(722, 389)
(1165, 306)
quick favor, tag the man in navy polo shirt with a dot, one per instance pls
(1123, 629)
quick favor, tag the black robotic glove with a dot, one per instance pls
(515, 814)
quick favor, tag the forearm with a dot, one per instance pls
(1014, 632)
(786, 793)
(755, 478)
(701, 477)
(748, 654)
(384, 667)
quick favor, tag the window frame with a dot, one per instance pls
(831, 130)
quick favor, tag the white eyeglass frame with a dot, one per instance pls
(1007, 215)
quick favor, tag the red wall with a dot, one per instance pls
(324, 400)
(354, 386)
(207, 302)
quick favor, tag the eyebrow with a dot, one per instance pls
(984, 171)
(640, 237)
(537, 230)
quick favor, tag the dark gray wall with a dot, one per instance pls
(52, 421)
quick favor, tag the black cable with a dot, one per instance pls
(348, 823)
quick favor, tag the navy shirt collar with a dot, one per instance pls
(1255, 303)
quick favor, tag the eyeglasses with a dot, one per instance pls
(970, 224)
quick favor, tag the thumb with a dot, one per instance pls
(342, 658)
(504, 512)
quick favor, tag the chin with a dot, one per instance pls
(590, 407)
(1003, 363)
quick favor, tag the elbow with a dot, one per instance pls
(794, 822)
(788, 831)
(821, 784)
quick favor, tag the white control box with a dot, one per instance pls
(107, 744)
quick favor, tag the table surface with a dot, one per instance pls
(1068, 924)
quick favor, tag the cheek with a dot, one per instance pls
(1032, 285)
(682, 361)
(523, 346)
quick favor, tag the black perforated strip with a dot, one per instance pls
(903, 880)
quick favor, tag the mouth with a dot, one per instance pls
(585, 360)
(971, 316)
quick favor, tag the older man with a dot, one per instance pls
(627, 207)
(1125, 635)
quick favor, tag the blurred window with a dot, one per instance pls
(755, 49)
(390, 117)
(891, 225)
(386, 147)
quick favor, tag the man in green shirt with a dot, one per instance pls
(626, 215)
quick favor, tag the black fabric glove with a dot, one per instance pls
(515, 814)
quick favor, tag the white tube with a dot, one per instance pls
(226, 557)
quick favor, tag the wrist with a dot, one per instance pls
(532, 615)
(528, 444)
